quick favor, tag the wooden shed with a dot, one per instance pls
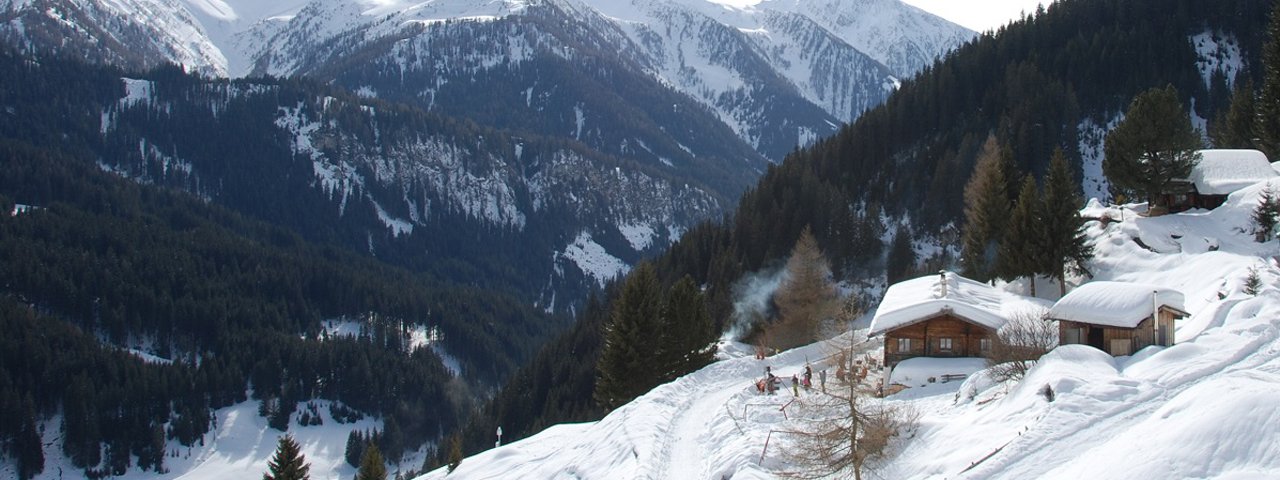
(1119, 318)
(1216, 175)
(943, 315)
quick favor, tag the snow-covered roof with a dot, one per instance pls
(1221, 172)
(1114, 304)
(921, 298)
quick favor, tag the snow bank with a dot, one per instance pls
(917, 372)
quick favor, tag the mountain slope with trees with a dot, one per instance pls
(1033, 85)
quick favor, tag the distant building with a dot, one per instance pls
(942, 315)
(1218, 174)
(1116, 317)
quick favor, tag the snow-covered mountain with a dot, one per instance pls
(1206, 407)
(780, 73)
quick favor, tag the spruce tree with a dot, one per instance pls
(626, 366)
(901, 261)
(1021, 253)
(372, 466)
(1265, 215)
(986, 210)
(355, 448)
(1065, 247)
(288, 463)
(28, 449)
(688, 334)
(1234, 128)
(806, 297)
(1152, 147)
(1267, 126)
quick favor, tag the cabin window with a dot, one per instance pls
(984, 344)
(944, 344)
(904, 345)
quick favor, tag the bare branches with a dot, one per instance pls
(1019, 343)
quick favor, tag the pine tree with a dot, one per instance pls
(1234, 128)
(1065, 246)
(288, 463)
(1020, 248)
(1152, 147)
(986, 210)
(626, 366)
(1267, 126)
(372, 466)
(806, 298)
(688, 334)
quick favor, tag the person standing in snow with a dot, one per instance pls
(808, 376)
(795, 385)
(822, 379)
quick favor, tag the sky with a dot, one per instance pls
(978, 15)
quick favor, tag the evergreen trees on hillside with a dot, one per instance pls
(1154, 145)
(288, 463)
(1021, 254)
(687, 332)
(652, 338)
(986, 212)
(1267, 126)
(1065, 247)
(229, 301)
(628, 366)
(1234, 128)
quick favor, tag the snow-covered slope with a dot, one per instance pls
(1207, 407)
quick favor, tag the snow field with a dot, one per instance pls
(1206, 407)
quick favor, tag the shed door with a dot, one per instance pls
(1121, 346)
(1095, 338)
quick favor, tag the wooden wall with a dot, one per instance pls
(926, 339)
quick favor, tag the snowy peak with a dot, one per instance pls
(131, 33)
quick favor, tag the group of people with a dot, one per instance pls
(770, 383)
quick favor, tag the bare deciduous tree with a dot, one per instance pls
(1019, 343)
(849, 432)
(854, 440)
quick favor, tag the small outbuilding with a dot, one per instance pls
(1118, 317)
(1216, 175)
(942, 315)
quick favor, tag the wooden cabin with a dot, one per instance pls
(943, 315)
(1216, 175)
(1117, 317)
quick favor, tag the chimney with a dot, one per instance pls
(942, 282)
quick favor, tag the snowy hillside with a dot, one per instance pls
(1207, 407)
